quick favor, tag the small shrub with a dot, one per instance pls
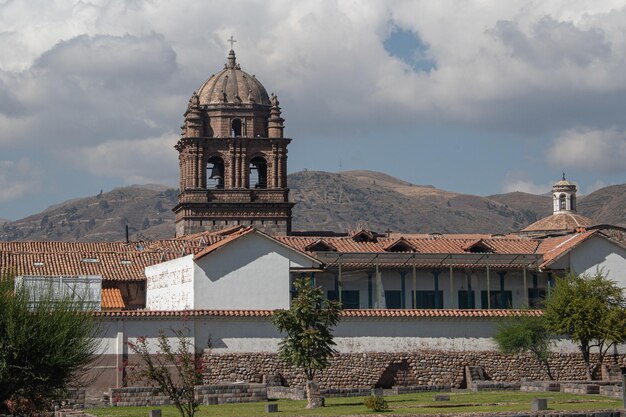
(375, 403)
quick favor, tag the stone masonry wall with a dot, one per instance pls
(389, 369)
(222, 393)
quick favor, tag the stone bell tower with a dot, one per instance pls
(233, 157)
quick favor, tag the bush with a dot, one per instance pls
(43, 346)
(376, 403)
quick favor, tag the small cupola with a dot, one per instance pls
(564, 196)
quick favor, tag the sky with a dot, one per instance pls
(479, 97)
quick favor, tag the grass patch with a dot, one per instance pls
(417, 403)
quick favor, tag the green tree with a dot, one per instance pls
(309, 342)
(526, 334)
(591, 311)
(44, 345)
(175, 372)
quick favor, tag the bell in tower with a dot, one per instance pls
(233, 157)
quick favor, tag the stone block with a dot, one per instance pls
(377, 392)
(271, 408)
(539, 404)
(210, 400)
(154, 413)
(442, 397)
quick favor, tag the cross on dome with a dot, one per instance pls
(232, 41)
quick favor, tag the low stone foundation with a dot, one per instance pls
(614, 391)
(231, 393)
(540, 386)
(219, 393)
(580, 388)
(137, 396)
(386, 370)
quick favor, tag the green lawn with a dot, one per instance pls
(419, 403)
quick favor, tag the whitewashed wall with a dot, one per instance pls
(255, 334)
(596, 253)
(169, 285)
(250, 273)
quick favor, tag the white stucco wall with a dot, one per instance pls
(250, 273)
(169, 285)
(254, 334)
(596, 253)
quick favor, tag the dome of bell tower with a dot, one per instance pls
(564, 217)
(234, 86)
(233, 157)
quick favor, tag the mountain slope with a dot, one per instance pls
(328, 201)
(325, 201)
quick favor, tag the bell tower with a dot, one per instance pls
(233, 157)
(564, 196)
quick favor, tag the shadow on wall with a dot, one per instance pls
(397, 374)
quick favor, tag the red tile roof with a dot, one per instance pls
(224, 241)
(118, 261)
(559, 221)
(112, 299)
(423, 243)
(553, 248)
(122, 261)
(449, 313)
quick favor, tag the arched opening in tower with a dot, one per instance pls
(258, 173)
(562, 205)
(235, 128)
(215, 171)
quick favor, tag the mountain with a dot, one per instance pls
(606, 205)
(325, 201)
(146, 209)
(347, 200)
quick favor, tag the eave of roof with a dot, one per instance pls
(387, 313)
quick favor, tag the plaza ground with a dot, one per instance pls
(410, 404)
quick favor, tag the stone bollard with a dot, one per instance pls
(154, 413)
(271, 408)
(539, 404)
(377, 392)
(442, 397)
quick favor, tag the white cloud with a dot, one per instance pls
(19, 179)
(133, 161)
(512, 67)
(79, 78)
(596, 150)
(521, 181)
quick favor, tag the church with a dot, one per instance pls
(235, 256)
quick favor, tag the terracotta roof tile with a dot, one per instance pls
(119, 261)
(423, 243)
(345, 313)
(112, 299)
(554, 247)
(224, 241)
(559, 221)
